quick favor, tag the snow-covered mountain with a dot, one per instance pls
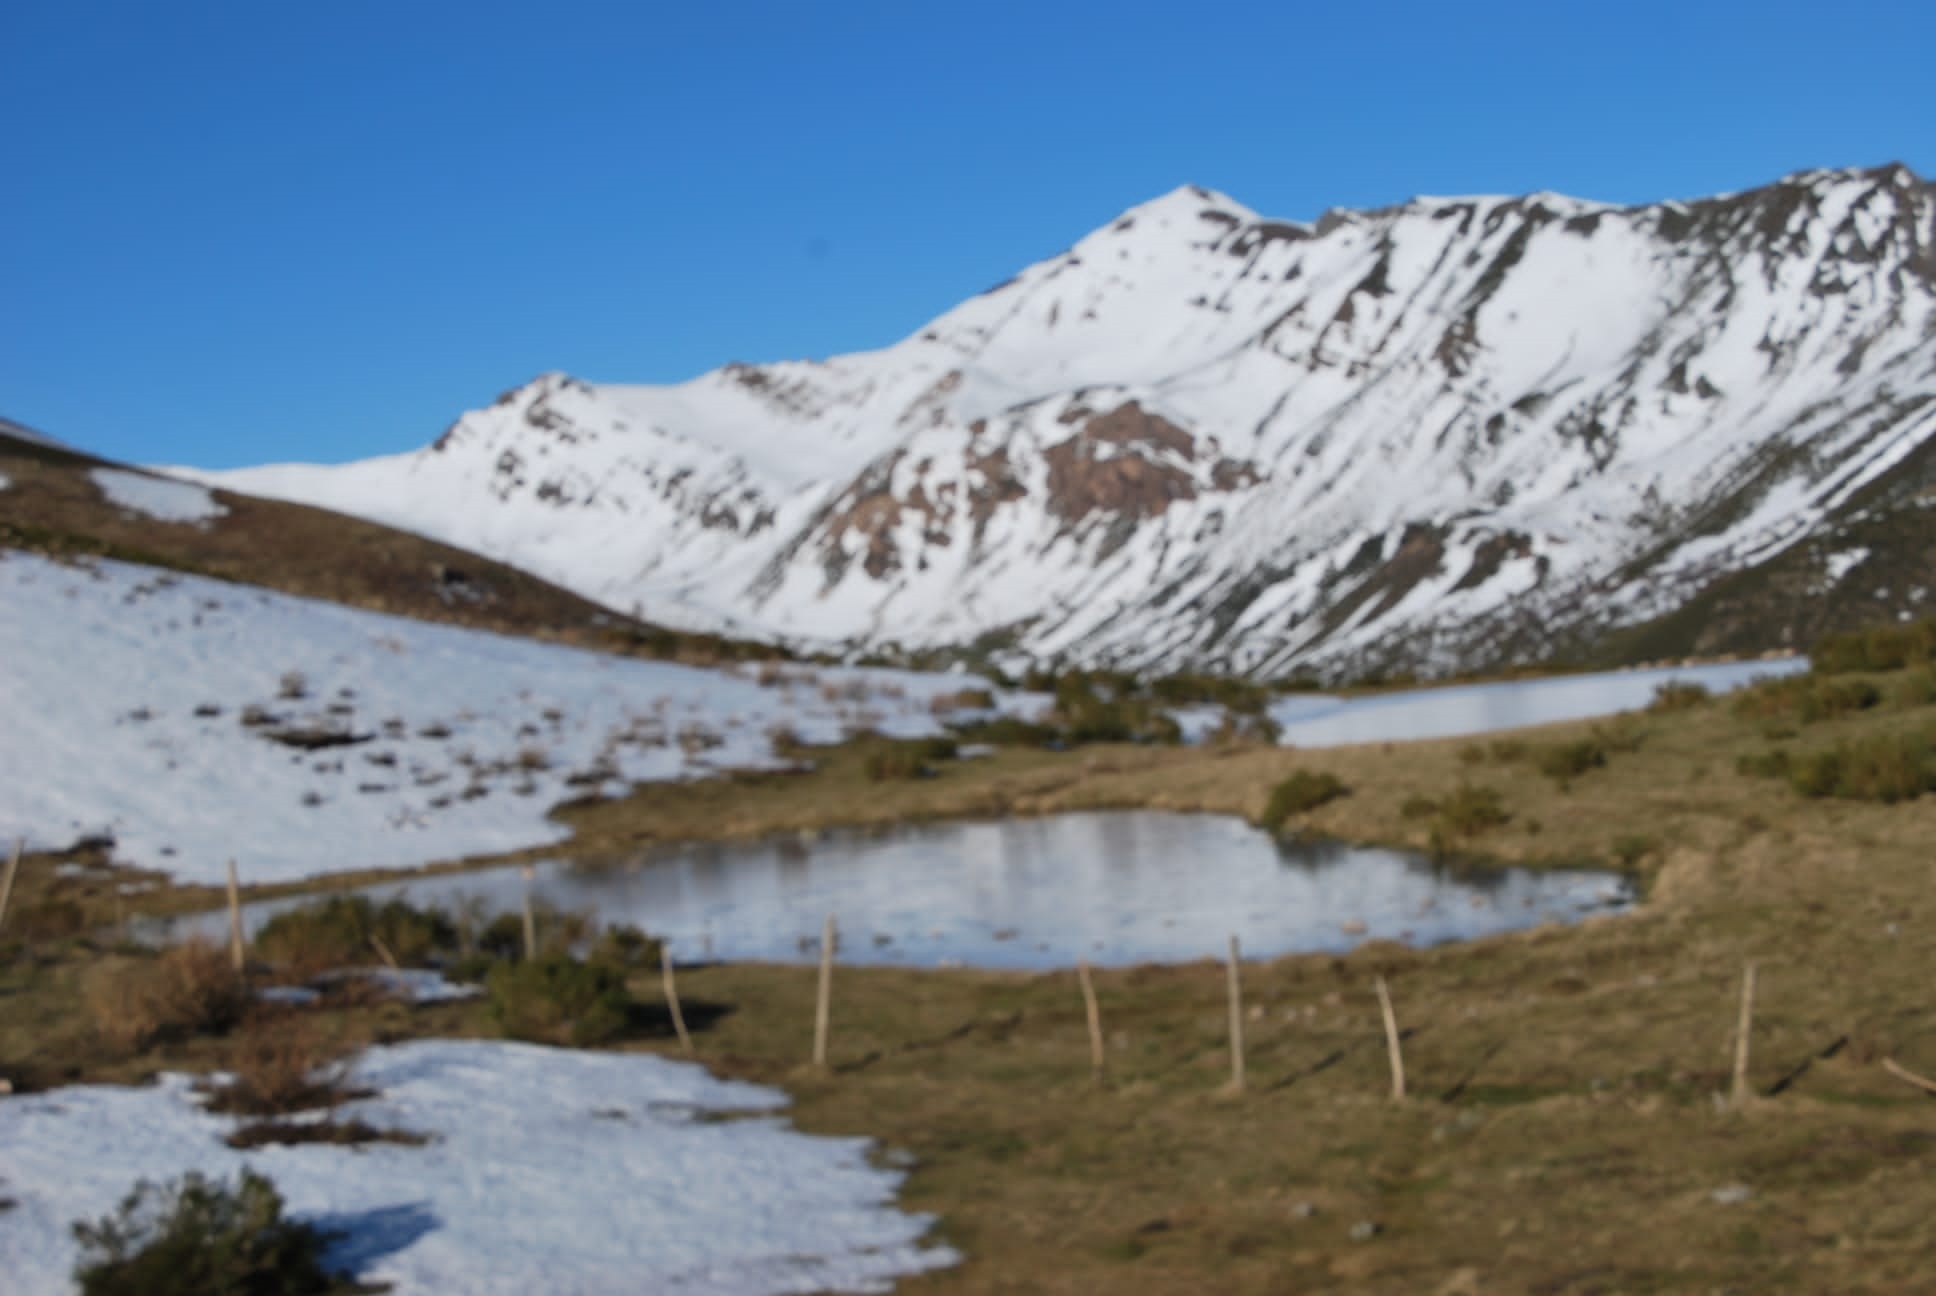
(1442, 434)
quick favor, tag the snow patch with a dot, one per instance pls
(160, 498)
(1841, 564)
(547, 1170)
(194, 721)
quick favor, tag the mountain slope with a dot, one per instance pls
(59, 501)
(1440, 435)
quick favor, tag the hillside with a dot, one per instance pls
(58, 501)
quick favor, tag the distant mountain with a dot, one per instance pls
(1447, 434)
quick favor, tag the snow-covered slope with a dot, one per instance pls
(1434, 435)
(546, 1170)
(194, 722)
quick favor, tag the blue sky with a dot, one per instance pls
(244, 232)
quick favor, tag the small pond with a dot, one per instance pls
(1116, 887)
(1460, 709)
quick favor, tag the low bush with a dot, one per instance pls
(1008, 731)
(188, 989)
(1876, 648)
(1469, 811)
(199, 1237)
(279, 1064)
(343, 931)
(1886, 768)
(1804, 699)
(1564, 762)
(624, 946)
(1679, 695)
(1632, 848)
(555, 999)
(1301, 793)
(890, 759)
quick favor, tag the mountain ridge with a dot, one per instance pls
(1437, 436)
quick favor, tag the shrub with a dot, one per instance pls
(1805, 699)
(1563, 762)
(189, 989)
(280, 1064)
(1418, 807)
(1008, 731)
(1465, 813)
(1629, 850)
(890, 759)
(1886, 768)
(345, 930)
(624, 946)
(1679, 695)
(1301, 793)
(555, 999)
(197, 1237)
(1876, 648)
(969, 699)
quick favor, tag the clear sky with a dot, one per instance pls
(255, 231)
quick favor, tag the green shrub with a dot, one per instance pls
(889, 759)
(1886, 768)
(1508, 750)
(197, 1237)
(344, 930)
(555, 999)
(1467, 812)
(1563, 762)
(1679, 695)
(1007, 731)
(1301, 793)
(1876, 648)
(624, 946)
(1805, 699)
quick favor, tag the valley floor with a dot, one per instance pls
(1567, 1127)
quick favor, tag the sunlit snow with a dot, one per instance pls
(157, 497)
(572, 1174)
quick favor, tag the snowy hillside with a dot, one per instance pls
(1441, 434)
(547, 1170)
(195, 721)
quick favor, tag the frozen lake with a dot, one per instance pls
(1459, 709)
(1115, 887)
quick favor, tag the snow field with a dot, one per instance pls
(196, 721)
(574, 1174)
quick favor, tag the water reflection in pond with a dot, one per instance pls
(1115, 887)
(1322, 721)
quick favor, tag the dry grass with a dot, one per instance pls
(190, 989)
(282, 1062)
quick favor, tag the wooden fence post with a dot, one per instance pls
(6, 884)
(236, 957)
(1095, 1019)
(824, 1002)
(1391, 1042)
(1236, 1021)
(1742, 1029)
(530, 918)
(672, 1000)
